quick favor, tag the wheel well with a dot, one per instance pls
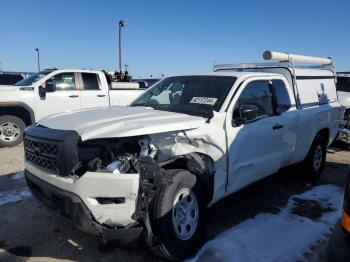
(199, 164)
(18, 111)
(324, 133)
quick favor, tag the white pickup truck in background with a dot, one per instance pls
(183, 145)
(54, 91)
(343, 88)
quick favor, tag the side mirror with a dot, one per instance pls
(50, 86)
(281, 109)
(244, 113)
(42, 92)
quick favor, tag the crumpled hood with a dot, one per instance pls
(8, 88)
(119, 121)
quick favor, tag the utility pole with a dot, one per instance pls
(38, 52)
(121, 24)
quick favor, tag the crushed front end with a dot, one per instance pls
(94, 184)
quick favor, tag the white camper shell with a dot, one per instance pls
(312, 85)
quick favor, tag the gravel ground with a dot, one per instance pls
(28, 232)
(11, 160)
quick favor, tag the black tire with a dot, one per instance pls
(18, 124)
(169, 245)
(310, 170)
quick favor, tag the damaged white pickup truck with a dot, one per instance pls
(186, 143)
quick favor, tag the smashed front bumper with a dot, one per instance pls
(83, 201)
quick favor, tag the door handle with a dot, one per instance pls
(101, 95)
(73, 96)
(277, 126)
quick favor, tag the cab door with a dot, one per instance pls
(287, 120)
(62, 94)
(254, 147)
(93, 92)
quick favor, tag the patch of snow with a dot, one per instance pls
(18, 175)
(276, 237)
(14, 196)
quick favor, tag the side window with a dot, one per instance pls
(343, 84)
(257, 93)
(282, 97)
(64, 81)
(90, 81)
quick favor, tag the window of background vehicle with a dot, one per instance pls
(32, 79)
(64, 81)
(343, 84)
(7, 79)
(257, 93)
(90, 81)
(282, 96)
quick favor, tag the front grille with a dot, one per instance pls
(53, 150)
(45, 148)
(41, 153)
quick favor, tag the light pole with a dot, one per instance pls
(38, 52)
(121, 24)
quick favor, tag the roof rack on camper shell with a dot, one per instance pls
(309, 68)
(283, 60)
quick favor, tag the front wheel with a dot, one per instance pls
(178, 216)
(11, 131)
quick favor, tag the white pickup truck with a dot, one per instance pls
(343, 88)
(187, 142)
(54, 91)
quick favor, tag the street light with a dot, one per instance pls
(37, 50)
(121, 24)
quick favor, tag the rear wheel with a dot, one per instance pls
(315, 160)
(11, 131)
(178, 216)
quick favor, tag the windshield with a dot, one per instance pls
(32, 79)
(197, 95)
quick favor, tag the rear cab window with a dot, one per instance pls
(90, 81)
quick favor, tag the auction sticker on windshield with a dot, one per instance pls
(204, 100)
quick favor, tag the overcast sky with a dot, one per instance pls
(169, 37)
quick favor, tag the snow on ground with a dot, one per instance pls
(14, 196)
(285, 236)
(18, 175)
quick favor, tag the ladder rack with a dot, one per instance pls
(283, 60)
(237, 67)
